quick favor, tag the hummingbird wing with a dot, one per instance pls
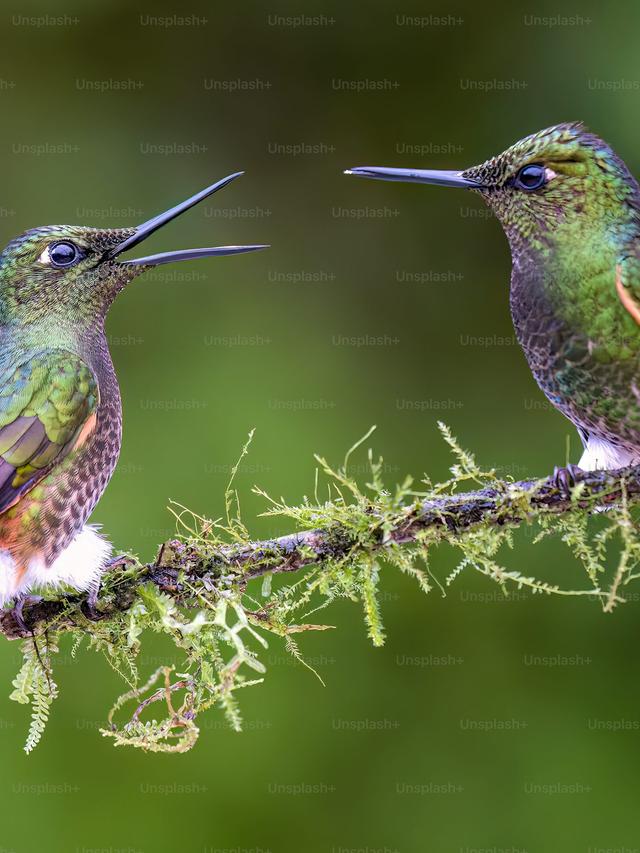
(47, 407)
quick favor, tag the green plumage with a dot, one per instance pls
(569, 239)
(571, 211)
(43, 407)
(60, 414)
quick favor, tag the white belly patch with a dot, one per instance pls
(78, 566)
(600, 455)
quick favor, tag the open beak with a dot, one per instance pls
(418, 176)
(147, 228)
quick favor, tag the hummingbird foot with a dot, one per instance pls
(121, 561)
(565, 478)
(17, 611)
(90, 606)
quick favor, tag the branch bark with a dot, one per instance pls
(179, 565)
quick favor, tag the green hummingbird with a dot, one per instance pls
(570, 209)
(60, 411)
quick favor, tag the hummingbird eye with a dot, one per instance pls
(62, 254)
(530, 177)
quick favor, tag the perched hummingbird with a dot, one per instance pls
(570, 209)
(60, 413)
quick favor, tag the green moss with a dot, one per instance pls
(220, 620)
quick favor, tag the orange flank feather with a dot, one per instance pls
(85, 432)
(626, 298)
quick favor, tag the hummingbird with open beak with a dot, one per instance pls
(60, 411)
(570, 209)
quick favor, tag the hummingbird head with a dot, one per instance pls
(72, 273)
(560, 183)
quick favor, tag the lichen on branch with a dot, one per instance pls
(212, 589)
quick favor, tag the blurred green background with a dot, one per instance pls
(109, 115)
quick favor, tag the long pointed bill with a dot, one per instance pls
(152, 225)
(418, 176)
(190, 254)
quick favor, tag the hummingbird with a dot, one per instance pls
(570, 209)
(60, 410)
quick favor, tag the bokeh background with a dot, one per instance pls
(485, 724)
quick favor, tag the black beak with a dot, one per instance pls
(147, 228)
(419, 176)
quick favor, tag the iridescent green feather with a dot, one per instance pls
(44, 403)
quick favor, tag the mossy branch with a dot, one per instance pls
(182, 569)
(198, 590)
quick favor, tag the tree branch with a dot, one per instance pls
(180, 568)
